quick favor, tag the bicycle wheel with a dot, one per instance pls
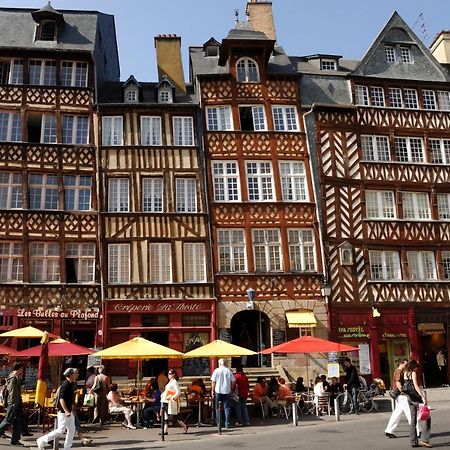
(345, 405)
(366, 405)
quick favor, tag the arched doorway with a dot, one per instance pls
(251, 329)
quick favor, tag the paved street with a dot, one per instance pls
(353, 432)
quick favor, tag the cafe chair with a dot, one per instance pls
(322, 404)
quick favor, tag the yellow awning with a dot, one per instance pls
(301, 318)
(219, 349)
(431, 328)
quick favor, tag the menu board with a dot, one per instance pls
(195, 366)
(278, 337)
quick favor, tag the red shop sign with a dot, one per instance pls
(131, 307)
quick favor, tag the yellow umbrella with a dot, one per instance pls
(26, 332)
(218, 349)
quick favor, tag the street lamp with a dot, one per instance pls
(251, 298)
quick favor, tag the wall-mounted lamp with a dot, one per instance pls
(58, 308)
(251, 298)
(375, 312)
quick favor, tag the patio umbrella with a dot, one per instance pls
(27, 332)
(58, 347)
(219, 349)
(4, 350)
(41, 386)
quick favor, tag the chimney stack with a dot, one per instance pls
(440, 47)
(261, 18)
(168, 58)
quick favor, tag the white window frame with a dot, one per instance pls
(120, 262)
(416, 205)
(112, 131)
(429, 99)
(11, 192)
(160, 265)
(11, 126)
(183, 131)
(43, 189)
(226, 184)
(443, 205)
(328, 64)
(410, 98)
(406, 55)
(302, 251)
(16, 67)
(439, 150)
(445, 255)
(389, 53)
(48, 129)
(406, 146)
(361, 95)
(49, 262)
(384, 260)
(80, 129)
(75, 81)
(132, 95)
(80, 190)
(151, 131)
(194, 258)
(43, 75)
(231, 250)
(258, 117)
(444, 100)
(153, 194)
(11, 262)
(219, 118)
(84, 255)
(417, 265)
(285, 118)
(377, 96)
(186, 194)
(294, 184)
(165, 95)
(380, 205)
(375, 148)
(262, 189)
(247, 71)
(118, 194)
(395, 98)
(269, 247)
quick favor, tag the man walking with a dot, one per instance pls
(352, 383)
(401, 401)
(14, 410)
(223, 383)
(64, 405)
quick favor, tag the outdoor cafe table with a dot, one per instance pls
(138, 403)
(200, 402)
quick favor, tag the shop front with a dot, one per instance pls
(182, 325)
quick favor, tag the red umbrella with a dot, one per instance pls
(4, 350)
(58, 347)
(309, 344)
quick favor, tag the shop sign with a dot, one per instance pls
(387, 335)
(352, 332)
(137, 307)
(49, 314)
(364, 359)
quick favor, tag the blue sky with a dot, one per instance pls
(342, 27)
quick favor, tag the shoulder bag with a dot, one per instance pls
(409, 389)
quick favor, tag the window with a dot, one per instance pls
(380, 205)
(11, 262)
(151, 130)
(46, 31)
(422, 265)
(16, 71)
(389, 53)
(443, 206)
(118, 263)
(259, 181)
(118, 195)
(395, 98)
(293, 181)
(384, 265)
(231, 249)
(409, 149)
(440, 151)
(44, 262)
(301, 250)
(362, 95)
(112, 130)
(152, 194)
(267, 250)
(75, 130)
(377, 96)
(444, 100)
(252, 118)
(42, 72)
(165, 95)
(160, 263)
(226, 181)
(155, 320)
(74, 73)
(194, 262)
(416, 205)
(429, 99)
(410, 98)
(80, 262)
(405, 55)
(186, 192)
(446, 264)
(247, 71)
(43, 191)
(195, 320)
(10, 190)
(183, 131)
(375, 148)
(327, 64)
(48, 130)
(10, 127)
(285, 118)
(77, 192)
(131, 96)
(219, 118)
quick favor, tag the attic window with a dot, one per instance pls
(328, 64)
(389, 52)
(165, 95)
(405, 55)
(247, 71)
(212, 50)
(131, 96)
(46, 31)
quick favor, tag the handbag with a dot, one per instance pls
(423, 413)
(394, 393)
(409, 389)
(97, 386)
(88, 400)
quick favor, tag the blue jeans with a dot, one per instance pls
(353, 390)
(226, 402)
(242, 411)
(13, 417)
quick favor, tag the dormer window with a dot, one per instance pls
(165, 90)
(405, 55)
(389, 52)
(131, 89)
(131, 95)
(247, 71)
(46, 31)
(328, 64)
(165, 96)
(212, 50)
(48, 21)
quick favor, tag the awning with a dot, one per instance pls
(301, 318)
(431, 328)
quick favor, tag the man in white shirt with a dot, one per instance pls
(223, 383)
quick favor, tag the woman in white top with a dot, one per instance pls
(116, 406)
(170, 402)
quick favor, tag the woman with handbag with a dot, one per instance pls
(170, 403)
(415, 396)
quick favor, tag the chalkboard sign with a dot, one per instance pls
(225, 334)
(94, 360)
(278, 337)
(196, 367)
(30, 377)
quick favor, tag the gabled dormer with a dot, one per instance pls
(211, 48)
(165, 90)
(49, 23)
(131, 90)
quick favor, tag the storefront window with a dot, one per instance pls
(119, 320)
(195, 320)
(155, 320)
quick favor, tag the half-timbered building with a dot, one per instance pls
(51, 64)
(380, 127)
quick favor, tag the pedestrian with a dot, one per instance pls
(100, 390)
(13, 403)
(243, 387)
(352, 383)
(65, 416)
(170, 402)
(90, 379)
(223, 383)
(401, 400)
(442, 365)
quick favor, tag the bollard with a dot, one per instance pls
(56, 441)
(336, 409)
(219, 417)
(163, 420)
(294, 413)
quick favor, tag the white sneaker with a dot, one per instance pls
(40, 444)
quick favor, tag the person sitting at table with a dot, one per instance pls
(325, 382)
(319, 391)
(273, 387)
(283, 389)
(116, 406)
(299, 386)
(335, 389)
(152, 406)
(195, 391)
(260, 395)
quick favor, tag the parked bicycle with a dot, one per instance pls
(366, 402)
